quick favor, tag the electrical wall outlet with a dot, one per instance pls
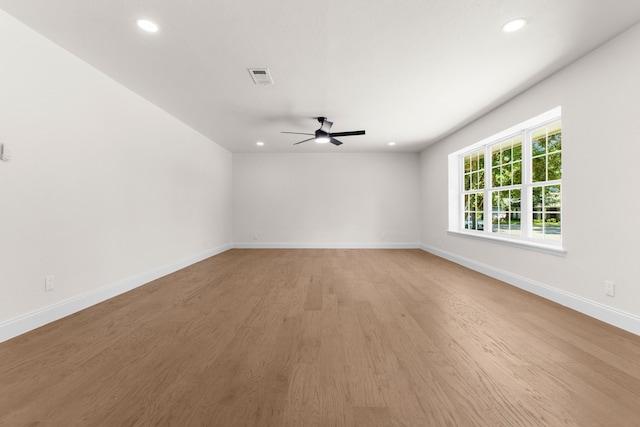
(609, 288)
(48, 283)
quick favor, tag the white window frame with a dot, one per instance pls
(456, 188)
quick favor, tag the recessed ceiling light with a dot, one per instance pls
(514, 25)
(392, 143)
(147, 25)
(260, 143)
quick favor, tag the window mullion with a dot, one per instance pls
(527, 203)
(461, 212)
(488, 225)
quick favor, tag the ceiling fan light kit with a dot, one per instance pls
(323, 135)
(322, 139)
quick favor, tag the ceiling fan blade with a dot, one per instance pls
(354, 132)
(304, 141)
(299, 133)
(335, 141)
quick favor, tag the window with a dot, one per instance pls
(509, 186)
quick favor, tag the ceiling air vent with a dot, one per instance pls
(261, 76)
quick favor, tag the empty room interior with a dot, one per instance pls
(339, 213)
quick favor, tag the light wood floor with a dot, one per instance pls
(323, 338)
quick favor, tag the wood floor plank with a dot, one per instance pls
(374, 417)
(303, 405)
(331, 337)
(311, 333)
(360, 371)
(335, 398)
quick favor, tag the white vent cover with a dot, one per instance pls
(261, 76)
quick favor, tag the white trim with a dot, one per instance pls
(29, 321)
(512, 241)
(454, 194)
(19, 325)
(456, 174)
(623, 320)
(540, 119)
(311, 245)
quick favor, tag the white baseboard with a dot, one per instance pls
(29, 321)
(623, 320)
(290, 245)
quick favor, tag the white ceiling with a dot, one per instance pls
(410, 71)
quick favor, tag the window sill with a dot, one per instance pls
(524, 244)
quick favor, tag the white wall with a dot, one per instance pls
(332, 199)
(600, 96)
(103, 186)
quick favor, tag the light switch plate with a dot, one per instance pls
(5, 154)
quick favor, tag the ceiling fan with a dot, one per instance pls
(322, 135)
